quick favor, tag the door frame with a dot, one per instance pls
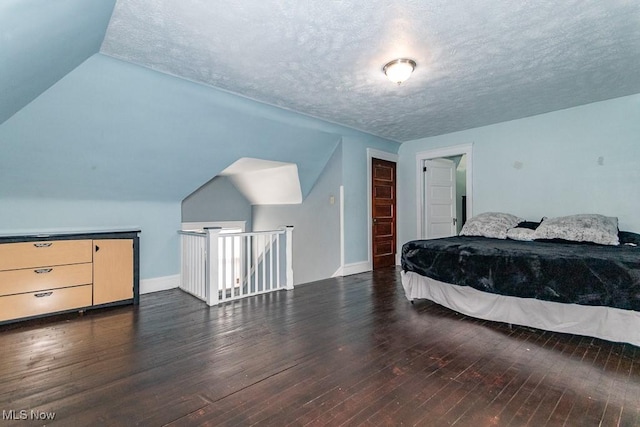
(427, 181)
(437, 153)
(372, 153)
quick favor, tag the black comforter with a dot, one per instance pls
(564, 272)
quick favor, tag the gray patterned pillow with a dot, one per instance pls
(490, 224)
(580, 228)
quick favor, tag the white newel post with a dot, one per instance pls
(289, 263)
(212, 265)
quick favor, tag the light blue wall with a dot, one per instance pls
(159, 221)
(546, 165)
(217, 200)
(114, 130)
(356, 198)
(316, 236)
(115, 144)
(41, 41)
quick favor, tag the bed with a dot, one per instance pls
(521, 273)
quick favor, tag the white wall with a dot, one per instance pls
(579, 160)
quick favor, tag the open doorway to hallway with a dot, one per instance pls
(444, 187)
(445, 193)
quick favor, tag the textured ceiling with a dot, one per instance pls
(479, 61)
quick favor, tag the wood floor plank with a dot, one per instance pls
(630, 414)
(343, 351)
(486, 382)
(554, 389)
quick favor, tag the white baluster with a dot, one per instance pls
(289, 266)
(278, 278)
(212, 285)
(247, 249)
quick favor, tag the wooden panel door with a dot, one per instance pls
(383, 211)
(112, 270)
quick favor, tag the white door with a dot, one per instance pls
(439, 198)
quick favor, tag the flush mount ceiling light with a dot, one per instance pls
(399, 70)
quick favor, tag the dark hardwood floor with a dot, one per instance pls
(348, 351)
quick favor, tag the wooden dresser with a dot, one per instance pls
(55, 273)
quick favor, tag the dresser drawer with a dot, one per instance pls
(35, 303)
(43, 278)
(14, 256)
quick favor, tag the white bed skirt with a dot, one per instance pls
(611, 324)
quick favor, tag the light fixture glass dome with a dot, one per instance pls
(399, 70)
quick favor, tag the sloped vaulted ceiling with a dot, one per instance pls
(264, 182)
(105, 129)
(113, 130)
(43, 40)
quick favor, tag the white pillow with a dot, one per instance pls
(490, 224)
(580, 228)
(523, 234)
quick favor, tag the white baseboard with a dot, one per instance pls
(353, 268)
(157, 284)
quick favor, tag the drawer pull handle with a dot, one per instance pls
(43, 294)
(43, 270)
(43, 245)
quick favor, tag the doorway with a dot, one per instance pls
(440, 219)
(383, 213)
(444, 191)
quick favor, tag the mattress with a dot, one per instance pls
(561, 272)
